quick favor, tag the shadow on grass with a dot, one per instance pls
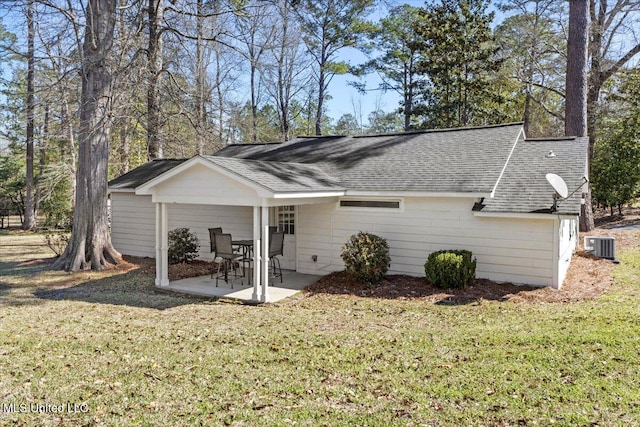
(24, 268)
(133, 288)
(408, 287)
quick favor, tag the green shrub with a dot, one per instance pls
(366, 257)
(183, 245)
(450, 268)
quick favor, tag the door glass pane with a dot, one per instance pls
(286, 219)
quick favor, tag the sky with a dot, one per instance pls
(347, 100)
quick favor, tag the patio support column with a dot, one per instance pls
(256, 253)
(164, 248)
(158, 244)
(265, 254)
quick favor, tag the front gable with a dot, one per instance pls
(199, 182)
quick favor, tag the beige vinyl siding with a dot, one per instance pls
(514, 250)
(133, 223)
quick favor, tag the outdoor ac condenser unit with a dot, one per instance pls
(603, 247)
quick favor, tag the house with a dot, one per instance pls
(481, 189)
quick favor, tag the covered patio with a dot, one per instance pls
(207, 180)
(292, 283)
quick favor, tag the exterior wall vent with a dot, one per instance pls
(602, 247)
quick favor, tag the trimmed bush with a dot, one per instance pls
(183, 245)
(450, 268)
(366, 257)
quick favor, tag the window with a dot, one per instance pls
(286, 219)
(395, 204)
(390, 204)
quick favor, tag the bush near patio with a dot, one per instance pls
(183, 245)
(450, 268)
(366, 257)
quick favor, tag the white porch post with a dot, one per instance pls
(265, 254)
(158, 244)
(256, 253)
(164, 230)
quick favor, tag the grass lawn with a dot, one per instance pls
(126, 355)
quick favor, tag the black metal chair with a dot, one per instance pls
(276, 246)
(225, 256)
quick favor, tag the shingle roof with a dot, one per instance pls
(279, 177)
(466, 160)
(524, 188)
(143, 173)
(449, 160)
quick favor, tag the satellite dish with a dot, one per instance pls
(558, 184)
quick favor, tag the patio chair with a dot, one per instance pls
(212, 241)
(225, 256)
(276, 246)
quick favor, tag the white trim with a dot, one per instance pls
(446, 194)
(164, 230)
(555, 279)
(504, 168)
(308, 194)
(121, 190)
(208, 200)
(255, 296)
(265, 254)
(158, 247)
(524, 215)
(298, 202)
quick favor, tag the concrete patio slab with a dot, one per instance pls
(205, 286)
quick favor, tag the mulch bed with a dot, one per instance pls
(588, 278)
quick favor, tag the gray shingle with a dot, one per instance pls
(143, 173)
(450, 160)
(524, 188)
(279, 177)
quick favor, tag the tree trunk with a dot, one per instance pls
(29, 204)
(42, 154)
(321, 89)
(576, 80)
(254, 106)
(154, 55)
(200, 79)
(124, 149)
(68, 127)
(576, 88)
(90, 242)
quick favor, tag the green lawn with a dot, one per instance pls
(126, 355)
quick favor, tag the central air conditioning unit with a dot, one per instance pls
(602, 247)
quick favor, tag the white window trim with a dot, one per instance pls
(399, 209)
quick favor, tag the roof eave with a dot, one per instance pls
(309, 194)
(402, 193)
(525, 215)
